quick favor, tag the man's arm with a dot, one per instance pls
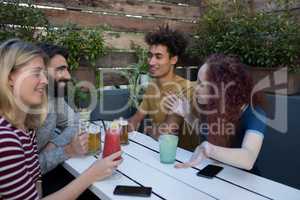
(50, 157)
(171, 125)
(62, 145)
(67, 123)
(53, 155)
(135, 121)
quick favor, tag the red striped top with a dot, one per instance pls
(19, 164)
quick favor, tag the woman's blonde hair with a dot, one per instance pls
(14, 54)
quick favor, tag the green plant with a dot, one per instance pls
(24, 22)
(83, 44)
(82, 97)
(134, 73)
(260, 39)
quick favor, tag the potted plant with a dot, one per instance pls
(137, 76)
(265, 41)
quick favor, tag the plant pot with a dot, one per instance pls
(281, 81)
(84, 114)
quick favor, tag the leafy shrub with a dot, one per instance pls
(261, 39)
(24, 22)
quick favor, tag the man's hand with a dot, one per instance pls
(174, 104)
(135, 120)
(50, 146)
(78, 145)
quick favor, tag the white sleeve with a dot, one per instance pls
(243, 157)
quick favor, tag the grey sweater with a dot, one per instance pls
(61, 124)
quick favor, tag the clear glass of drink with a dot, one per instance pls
(94, 139)
(124, 131)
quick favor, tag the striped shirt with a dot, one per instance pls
(19, 164)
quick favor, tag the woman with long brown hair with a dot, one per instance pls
(231, 114)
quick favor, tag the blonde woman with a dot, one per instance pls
(22, 102)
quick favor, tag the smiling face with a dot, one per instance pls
(203, 86)
(58, 70)
(161, 64)
(29, 82)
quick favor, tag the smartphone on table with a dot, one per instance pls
(133, 190)
(209, 171)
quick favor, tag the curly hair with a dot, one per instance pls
(174, 40)
(227, 72)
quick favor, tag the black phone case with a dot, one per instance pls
(209, 171)
(133, 191)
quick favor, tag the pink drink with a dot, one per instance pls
(111, 143)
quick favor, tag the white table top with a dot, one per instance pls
(141, 166)
(241, 178)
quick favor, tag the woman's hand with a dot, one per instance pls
(174, 104)
(200, 153)
(103, 168)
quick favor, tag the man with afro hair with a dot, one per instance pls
(166, 46)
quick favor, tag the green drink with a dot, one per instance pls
(167, 148)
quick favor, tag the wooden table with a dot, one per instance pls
(141, 166)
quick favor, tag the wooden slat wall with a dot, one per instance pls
(116, 59)
(112, 76)
(265, 5)
(124, 15)
(129, 21)
(108, 76)
(187, 2)
(133, 7)
(123, 40)
(118, 23)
